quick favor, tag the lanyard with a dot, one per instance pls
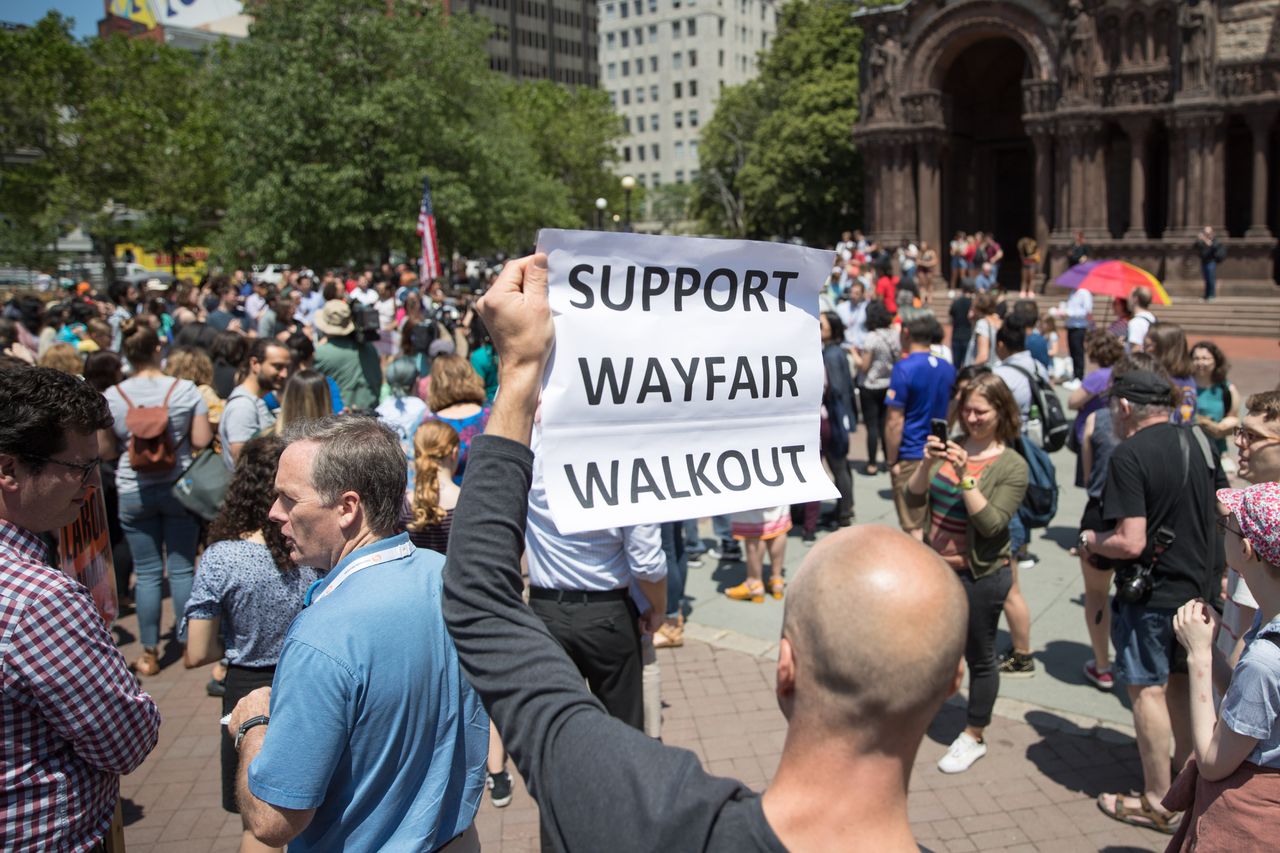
(386, 555)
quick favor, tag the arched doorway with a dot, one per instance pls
(989, 169)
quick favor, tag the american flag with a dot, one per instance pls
(429, 267)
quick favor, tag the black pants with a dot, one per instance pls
(1075, 343)
(241, 681)
(844, 482)
(873, 413)
(602, 638)
(986, 601)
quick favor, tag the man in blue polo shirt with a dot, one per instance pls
(919, 391)
(379, 742)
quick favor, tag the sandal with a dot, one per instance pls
(776, 586)
(668, 636)
(1145, 816)
(147, 663)
(752, 591)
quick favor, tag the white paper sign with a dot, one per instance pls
(686, 379)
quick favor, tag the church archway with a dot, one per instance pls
(989, 167)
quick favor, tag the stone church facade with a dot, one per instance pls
(1136, 123)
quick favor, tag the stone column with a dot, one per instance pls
(1042, 138)
(1136, 129)
(1260, 124)
(1213, 209)
(872, 176)
(1177, 223)
(1062, 178)
(1095, 193)
(929, 194)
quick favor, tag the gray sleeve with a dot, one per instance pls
(239, 420)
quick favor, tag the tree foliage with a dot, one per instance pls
(307, 142)
(777, 159)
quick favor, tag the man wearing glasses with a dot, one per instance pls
(72, 718)
(1258, 442)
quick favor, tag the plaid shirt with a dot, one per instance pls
(71, 714)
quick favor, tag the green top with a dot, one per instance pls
(485, 362)
(1004, 484)
(1211, 401)
(354, 367)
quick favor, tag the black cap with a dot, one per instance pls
(1143, 387)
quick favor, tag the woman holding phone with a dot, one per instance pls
(972, 484)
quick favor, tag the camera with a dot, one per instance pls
(1133, 584)
(365, 317)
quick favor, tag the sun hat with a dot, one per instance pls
(155, 285)
(1257, 509)
(335, 319)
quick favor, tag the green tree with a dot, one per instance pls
(43, 71)
(670, 204)
(342, 106)
(780, 160)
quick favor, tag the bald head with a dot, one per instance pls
(876, 622)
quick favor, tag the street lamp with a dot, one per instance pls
(616, 220)
(601, 204)
(628, 184)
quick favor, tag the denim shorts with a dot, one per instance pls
(1146, 649)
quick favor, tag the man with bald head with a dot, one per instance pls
(857, 698)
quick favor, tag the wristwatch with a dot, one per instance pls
(969, 483)
(1082, 543)
(260, 720)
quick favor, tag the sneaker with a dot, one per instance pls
(728, 551)
(695, 562)
(216, 687)
(963, 751)
(499, 785)
(1027, 560)
(1103, 680)
(1017, 665)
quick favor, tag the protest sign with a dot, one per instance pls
(84, 550)
(686, 380)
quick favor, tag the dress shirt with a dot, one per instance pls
(1079, 307)
(308, 306)
(72, 716)
(596, 560)
(855, 322)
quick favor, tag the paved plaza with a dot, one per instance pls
(1056, 743)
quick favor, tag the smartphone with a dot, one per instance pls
(939, 428)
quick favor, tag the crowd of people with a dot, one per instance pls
(333, 417)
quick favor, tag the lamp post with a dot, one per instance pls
(628, 184)
(617, 222)
(601, 204)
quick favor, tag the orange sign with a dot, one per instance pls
(84, 548)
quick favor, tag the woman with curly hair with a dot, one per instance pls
(434, 494)
(246, 593)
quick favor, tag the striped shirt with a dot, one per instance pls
(72, 716)
(949, 520)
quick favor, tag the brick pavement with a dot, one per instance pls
(1033, 792)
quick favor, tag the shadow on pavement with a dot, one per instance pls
(1064, 661)
(130, 811)
(1064, 537)
(729, 573)
(1091, 761)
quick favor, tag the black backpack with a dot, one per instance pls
(1053, 417)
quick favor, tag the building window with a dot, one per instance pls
(679, 150)
(639, 124)
(610, 41)
(693, 148)
(640, 152)
(653, 33)
(653, 93)
(656, 179)
(638, 33)
(613, 97)
(692, 26)
(640, 94)
(693, 175)
(675, 29)
(654, 150)
(637, 6)
(626, 154)
(722, 59)
(640, 180)
(693, 88)
(678, 119)
(693, 118)
(612, 71)
(693, 59)
(679, 176)
(626, 68)
(622, 8)
(626, 124)
(677, 61)
(653, 64)
(676, 89)
(653, 121)
(608, 10)
(653, 6)
(626, 97)
(626, 40)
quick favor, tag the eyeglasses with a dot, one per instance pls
(1224, 524)
(86, 469)
(1244, 435)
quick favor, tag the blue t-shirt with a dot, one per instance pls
(921, 386)
(372, 722)
(1038, 346)
(1252, 704)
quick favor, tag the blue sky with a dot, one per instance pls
(87, 13)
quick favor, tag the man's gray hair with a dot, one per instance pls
(357, 454)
